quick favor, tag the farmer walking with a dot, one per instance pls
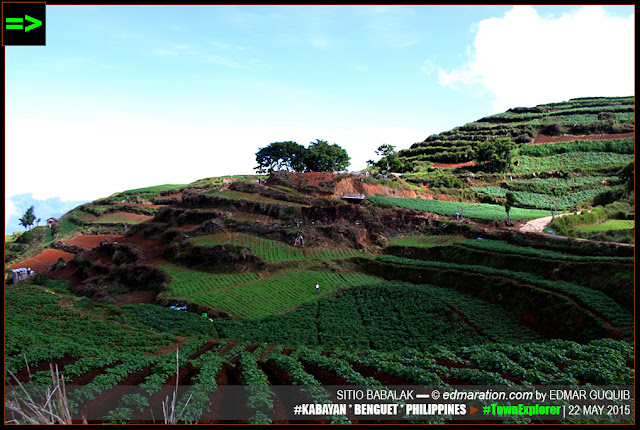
(317, 288)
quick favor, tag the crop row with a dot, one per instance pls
(167, 320)
(570, 182)
(570, 161)
(543, 201)
(553, 363)
(278, 294)
(257, 384)
(307, 382)
(504, 247)
(559, 187)
(469, 210)
(249, 217)
(203, 385)
(122, 217)
(253, 197)
(556, 362)
(389, 315)
(612, 224)
(272, 251)
(427, 241)
(38, 329)
(621, 146)
(162, 369)
(187, 282)
(594, 300)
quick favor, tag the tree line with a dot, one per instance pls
(291, 156)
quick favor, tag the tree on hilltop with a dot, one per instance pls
(386, 151)
(390, 160)
(281, 156)
(291, 156)
(322, 157)
(28, 218)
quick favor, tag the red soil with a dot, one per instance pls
(135, 298)
(170, 196)
(452, 166)
(541, 138)
(90, 241)
(354, 185)
(41, 262)
(151, 248)
(313, 178)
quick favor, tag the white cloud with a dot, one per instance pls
(525, 59)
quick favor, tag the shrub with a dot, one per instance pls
(608, 197)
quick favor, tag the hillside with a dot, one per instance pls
(422, 279)
(540, 124)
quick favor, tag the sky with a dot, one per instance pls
(124, 97)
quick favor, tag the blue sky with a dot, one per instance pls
(130, 96)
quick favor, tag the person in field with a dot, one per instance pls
(317, 288)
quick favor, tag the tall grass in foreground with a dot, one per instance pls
(169, 410)
(52, 409)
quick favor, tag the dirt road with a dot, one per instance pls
(536, 225)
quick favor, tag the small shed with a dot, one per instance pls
(353, 198)
(20, 274)
(51, 221)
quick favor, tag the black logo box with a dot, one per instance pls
(34, 37)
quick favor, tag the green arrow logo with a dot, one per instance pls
(35, 23)
(17, 23)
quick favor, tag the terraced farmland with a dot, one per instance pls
(40, 263)
(186, 282)
(386, 315)
(122, 217)
(426, 241)
(263, 297)
(239, 195)
(571, 161)
(273, 251)
(249, 217)
(101, 374)
(544, 201)
(471, 210)
(614, 224)
(406, 297)
(90, 241)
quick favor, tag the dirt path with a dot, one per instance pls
(538, 225)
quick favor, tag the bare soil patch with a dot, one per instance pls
(355, 185)
(90, 241)
(453, 166)
(136, 297)
(41, 262)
